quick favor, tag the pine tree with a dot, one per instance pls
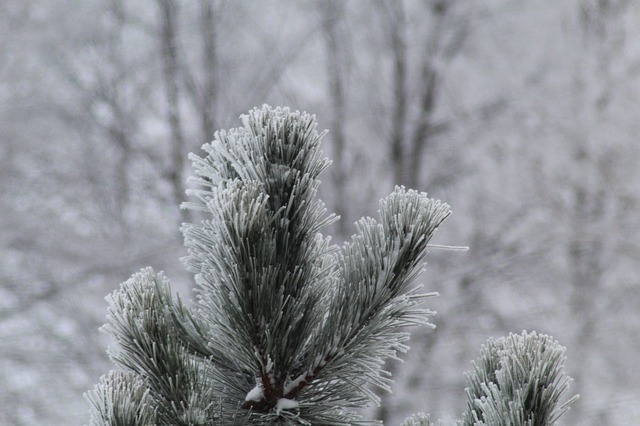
(287, 327)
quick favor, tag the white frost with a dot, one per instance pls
(294, 383)
(255, 394)
(286, 404)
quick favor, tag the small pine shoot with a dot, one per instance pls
(518, 380)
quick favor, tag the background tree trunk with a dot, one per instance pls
(335, 46)
(171, 73)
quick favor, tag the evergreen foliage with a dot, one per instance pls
(518, 380)
(420, 419)
(288, 328)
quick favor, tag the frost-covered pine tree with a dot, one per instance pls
(288, 328)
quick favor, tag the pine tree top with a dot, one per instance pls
(287, 328)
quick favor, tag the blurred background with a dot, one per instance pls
(523, 115)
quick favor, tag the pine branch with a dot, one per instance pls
(142, 321)
(420, 419)
(261, 266)
(518, 380)
(374, 299)
(121, 399)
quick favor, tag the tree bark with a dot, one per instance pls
(422, 131)
(334, 43)
(397, 37)
(210, 63)
(169, 51)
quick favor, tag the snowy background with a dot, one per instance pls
(524, 115)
